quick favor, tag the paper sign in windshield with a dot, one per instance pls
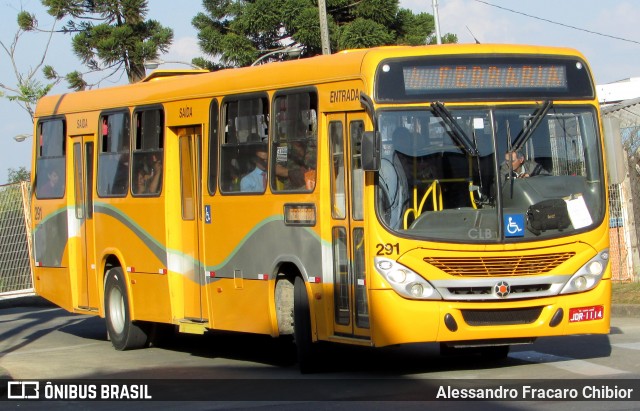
(578, 212)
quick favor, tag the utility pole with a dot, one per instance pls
(324, 27)
(436, 20)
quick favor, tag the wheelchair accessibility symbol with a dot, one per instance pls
(514, 225)
(207, 214)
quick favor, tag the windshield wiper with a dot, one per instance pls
(457, 132)
(532, 125)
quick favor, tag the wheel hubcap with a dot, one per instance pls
(116, 310)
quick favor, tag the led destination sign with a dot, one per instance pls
(483, 78)
(486, 76)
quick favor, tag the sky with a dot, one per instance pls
(614, 53)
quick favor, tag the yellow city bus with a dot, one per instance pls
(363, 198)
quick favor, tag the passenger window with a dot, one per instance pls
(294, 152)
(113, 159)
(244, 146)
(148, 153)
(50, 176)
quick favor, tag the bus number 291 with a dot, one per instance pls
(388, 249)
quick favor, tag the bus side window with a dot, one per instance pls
(50, 167)
(294, 150)
(148, 153)
(243, 144)
(113, 158)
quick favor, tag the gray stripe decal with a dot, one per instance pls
(50, 238)
(259, 252)
(268, 244)
(156, 247)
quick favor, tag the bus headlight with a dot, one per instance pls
(589, 275)
(397, 276)
(580, 283)
(595, 268)
(404, 281)
(416, 290)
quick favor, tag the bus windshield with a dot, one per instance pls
(502, 174)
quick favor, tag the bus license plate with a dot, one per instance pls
(586, 313)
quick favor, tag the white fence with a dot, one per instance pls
(620, 235)
(15, 267)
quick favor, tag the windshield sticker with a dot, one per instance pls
(514, 225)
(578, 212)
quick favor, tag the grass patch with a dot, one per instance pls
(625, 293)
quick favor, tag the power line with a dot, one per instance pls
(557, 23)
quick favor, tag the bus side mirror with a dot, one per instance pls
(371, 151)
(616, 159)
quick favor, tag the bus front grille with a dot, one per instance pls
(501, 317)
(499, 266)
(514, 290)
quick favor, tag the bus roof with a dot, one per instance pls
(344, 65)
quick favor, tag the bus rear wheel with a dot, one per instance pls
(123, 333)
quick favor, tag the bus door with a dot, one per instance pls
(190, 141)
(83, 223)
(350, 302)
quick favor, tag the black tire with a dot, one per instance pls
(309, 356)
(123, 333)
(160, 334)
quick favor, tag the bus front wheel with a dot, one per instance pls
(123, 333)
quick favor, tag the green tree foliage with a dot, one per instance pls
(16, 175)
(28, 87)
(11, 195)
(237, 32)
(110, 35)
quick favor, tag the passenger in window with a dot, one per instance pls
(140, 181)
(105, 126)
(256, 180)
(516, 166)
(301, 167)
(51, 188)
(147, 176)
(156, 174)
